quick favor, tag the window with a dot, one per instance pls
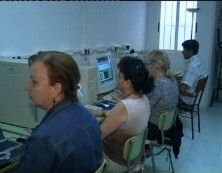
(177, 23)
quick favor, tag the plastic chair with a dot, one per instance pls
(166, 121)
(134, 150)
(102, 168)
(193, 109)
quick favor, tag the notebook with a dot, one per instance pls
(10, 151)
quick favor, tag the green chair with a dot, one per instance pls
(134, 150)
(102, 168)
(166, 121)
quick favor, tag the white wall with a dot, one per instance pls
(29, 26)
(152, 36)
(205, 36)
(110, 23)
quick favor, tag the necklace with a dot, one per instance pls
(129, 95)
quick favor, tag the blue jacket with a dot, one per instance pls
(68, 140)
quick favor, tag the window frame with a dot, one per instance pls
(186, 28)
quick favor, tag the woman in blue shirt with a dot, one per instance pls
(68, 139)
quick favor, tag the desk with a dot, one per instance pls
(100, 119)
(11, 131)
(9, 168)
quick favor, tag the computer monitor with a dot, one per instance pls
(106, 80)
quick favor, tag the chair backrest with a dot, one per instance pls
(199, 90)
(201, 84)
(134, 146)
(166, 121)
(102, 167)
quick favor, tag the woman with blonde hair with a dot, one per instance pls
(165, 94)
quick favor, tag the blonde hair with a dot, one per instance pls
(160, 60)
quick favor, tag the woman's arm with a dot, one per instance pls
(116, 117)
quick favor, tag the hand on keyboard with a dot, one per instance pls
(95, 110)
(113, 97)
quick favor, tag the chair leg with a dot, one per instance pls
(153, 161)
(198, 116)
(171, 162)
(192, 128)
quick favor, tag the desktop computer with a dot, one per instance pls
(15, 106)
(88, 83)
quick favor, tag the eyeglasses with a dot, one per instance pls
(119, 76)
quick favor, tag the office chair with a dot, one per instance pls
(102, 168)
(166, 121)
(134, 150)
(193, 109)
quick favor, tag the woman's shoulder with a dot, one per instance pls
(165, 79)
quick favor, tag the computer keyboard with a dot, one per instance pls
(6, 144)
(93, 107)
(113, 97)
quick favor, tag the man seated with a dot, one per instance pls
(194, 69)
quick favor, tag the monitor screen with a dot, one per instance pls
(106, 80)
(105, 69)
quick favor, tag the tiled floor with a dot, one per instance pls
(204, 153)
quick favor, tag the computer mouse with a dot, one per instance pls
(104, 105)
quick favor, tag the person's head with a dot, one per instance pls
(158, 62)
(134, 74)
(190, 48)
(54, 77)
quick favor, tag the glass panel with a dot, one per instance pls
(168, 23)
(185, 22)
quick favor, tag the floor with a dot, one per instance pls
(203, 153)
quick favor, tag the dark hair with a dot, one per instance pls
(191, 45)
(134, 69)
(61, 68)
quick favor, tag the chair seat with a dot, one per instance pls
(185, 107)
